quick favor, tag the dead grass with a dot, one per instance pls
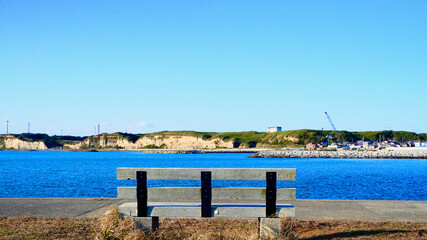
(114, 227)
(190, 229)
(47, 228)
(360, 230)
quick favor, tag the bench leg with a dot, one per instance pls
(147, 224)
(269, 228)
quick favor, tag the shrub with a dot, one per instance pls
(252, 144)
(151, 146)
(237, 142)
(206, 136)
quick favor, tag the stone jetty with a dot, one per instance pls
(340, 154)
(201, 151)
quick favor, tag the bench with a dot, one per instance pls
(205, 201)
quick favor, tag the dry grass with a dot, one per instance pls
(47, 228)
(360, 230)
(190, 229)
(114, 227)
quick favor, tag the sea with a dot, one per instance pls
(63, 174)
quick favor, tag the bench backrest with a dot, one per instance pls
(206, 193)
(241, 174)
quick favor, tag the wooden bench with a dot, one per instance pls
(205, 201)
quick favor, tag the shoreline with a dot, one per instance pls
(162, 151)
(396, 154)
(200, 151)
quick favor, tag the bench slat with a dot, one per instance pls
(218, 210)
(227, 194)
(283, 174)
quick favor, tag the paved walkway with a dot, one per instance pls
(363, 210)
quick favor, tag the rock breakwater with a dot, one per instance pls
(199, 151)
(340, 154)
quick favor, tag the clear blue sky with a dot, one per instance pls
(145, 66)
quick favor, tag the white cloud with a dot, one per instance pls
(139, 126)
(142, 124)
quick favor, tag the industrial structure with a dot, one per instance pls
(330, 122)
(274, 129)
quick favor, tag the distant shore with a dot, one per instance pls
(390, 153)
(251, 140)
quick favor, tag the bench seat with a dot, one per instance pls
(226, 210)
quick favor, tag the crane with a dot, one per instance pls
(330, 121)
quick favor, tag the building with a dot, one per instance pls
(367, 144)
(274, 129)
(312, 146)
(420, 144)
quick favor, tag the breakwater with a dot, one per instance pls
(200, 151)
(340, 154)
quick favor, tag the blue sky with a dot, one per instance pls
(146, 66)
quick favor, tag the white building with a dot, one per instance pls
(274, 129)
(420, 144)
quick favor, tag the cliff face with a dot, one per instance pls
(182, 142)
(103, 141)
(11, 142)
(170, 142)
(75, 146)
(185, 140)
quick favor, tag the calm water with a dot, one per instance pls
(86, 174)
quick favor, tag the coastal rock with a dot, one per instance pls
(182, 142)
(11, 142)
(168, 142)
(341, 154)
(75, 146)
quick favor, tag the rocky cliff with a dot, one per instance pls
(11, 142)
(182, 142)
(158, 141)
(186, 140)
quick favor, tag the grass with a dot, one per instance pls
(129, 136)
(360, 230)
(153, 146)
(47, 228)
(114, 227)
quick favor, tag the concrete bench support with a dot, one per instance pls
(269, 228)
(147, 224)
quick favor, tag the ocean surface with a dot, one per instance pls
(46, 174)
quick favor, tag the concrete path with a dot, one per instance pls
(56, 207)
(363, 210)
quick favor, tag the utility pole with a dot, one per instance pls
(7, 127)
(28, 127)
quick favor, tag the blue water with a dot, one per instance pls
(87, 174)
